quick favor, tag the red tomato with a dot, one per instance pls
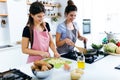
(118, 44)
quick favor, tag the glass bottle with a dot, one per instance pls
(81, 61)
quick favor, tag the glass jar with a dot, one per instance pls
(81, 61)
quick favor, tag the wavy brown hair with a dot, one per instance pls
(35, 8)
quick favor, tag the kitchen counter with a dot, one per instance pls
(9, 46)
(100, 70)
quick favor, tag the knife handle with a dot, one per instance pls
(85, 44)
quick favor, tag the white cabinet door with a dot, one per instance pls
(17, 18)
(11, 58)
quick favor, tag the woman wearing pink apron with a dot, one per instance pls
(37, 32)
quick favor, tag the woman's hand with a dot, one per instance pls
(82, 50)
(69, 42)
(45, 55)
(83, 39)
(56, 54)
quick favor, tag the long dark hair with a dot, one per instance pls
(70, 7)
(35, 8)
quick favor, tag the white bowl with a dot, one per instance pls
(43, 74)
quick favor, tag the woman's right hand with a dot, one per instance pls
(45, 55)
(69, 42)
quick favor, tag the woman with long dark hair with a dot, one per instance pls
(37, 32)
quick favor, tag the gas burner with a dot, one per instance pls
(95, 57)
(89, 57)
(14, 74)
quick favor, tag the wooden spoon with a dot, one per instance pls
(82, 50)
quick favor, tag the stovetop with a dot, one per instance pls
(14, 74)
(97, 56)
(88, 58)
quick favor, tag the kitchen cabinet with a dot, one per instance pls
(12, 57)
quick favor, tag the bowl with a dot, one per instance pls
(43, 74)
(76, 74)
(96, 46)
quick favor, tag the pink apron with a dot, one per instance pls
(40, 42)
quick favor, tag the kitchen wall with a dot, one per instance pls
(104, 15)
(103, 18)
(17, 17)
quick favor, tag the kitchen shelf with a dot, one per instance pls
(3, 0)
(47, 5)
(57, 16)
(52, 5)
(3, 14)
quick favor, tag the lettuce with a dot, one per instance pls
(110, 47)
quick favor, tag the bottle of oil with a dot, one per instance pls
(81, 61)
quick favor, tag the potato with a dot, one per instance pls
(39, 62)
(44, 68)
(49, 66)
(33, 67)
(40, 65)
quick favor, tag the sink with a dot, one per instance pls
(5, 46)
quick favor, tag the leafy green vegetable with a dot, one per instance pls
(110, 47)
(97, 46)
(113, 41)
(57, 62)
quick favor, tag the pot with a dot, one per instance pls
(110, 36)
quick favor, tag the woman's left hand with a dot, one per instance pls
(84, 39)
(57, 55)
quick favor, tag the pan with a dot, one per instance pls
(89, 52)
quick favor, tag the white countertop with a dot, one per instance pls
(103, 69)
(100, 70)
